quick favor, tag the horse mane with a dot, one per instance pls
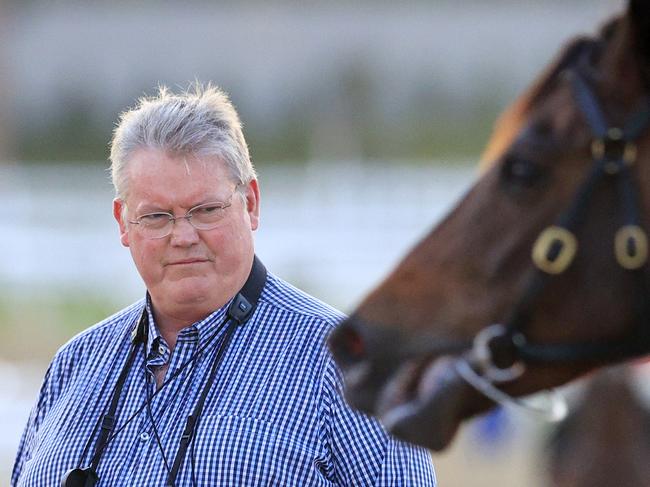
(579, 50)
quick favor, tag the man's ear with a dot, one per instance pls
(119, 213)
(252, 195)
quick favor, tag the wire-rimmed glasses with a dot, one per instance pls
(205, 216)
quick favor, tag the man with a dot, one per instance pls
(220, 375)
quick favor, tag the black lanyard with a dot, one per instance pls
(193, 419)
(239, 312)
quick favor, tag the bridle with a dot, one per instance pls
(501, 352)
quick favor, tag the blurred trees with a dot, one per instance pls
(318, 80)
(6, 128)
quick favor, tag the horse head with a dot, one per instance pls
(539, 273)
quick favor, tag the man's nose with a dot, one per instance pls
(183, 233)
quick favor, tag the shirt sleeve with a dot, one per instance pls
(49, 391)
(363, 453)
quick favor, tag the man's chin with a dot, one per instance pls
(182, 292)
(192, 291)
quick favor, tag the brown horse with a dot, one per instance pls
(605, 440)
(539, 274)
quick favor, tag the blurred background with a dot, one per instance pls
(365, 120)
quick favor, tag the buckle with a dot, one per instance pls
(614, 149)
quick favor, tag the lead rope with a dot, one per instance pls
(548, 405)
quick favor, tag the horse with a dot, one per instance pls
(539, 274)
(605, 440)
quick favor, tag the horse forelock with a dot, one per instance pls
(582, 53)
(515, 116)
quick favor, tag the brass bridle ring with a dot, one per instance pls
(568, 246)
(631, 256)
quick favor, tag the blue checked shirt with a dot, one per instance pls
(274, 415)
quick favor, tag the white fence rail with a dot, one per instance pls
(331, 228)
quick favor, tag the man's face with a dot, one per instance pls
(189, 271)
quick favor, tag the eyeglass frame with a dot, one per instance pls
(221, 205)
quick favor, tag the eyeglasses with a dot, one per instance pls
(202, 217)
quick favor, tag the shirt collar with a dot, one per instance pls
(157, 347)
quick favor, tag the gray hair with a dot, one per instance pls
(200, 121)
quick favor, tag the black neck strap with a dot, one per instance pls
(108, 421)
(239, 312)
(245, 302)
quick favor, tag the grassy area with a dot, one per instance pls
(33, 328)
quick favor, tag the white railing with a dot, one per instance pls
(332, 228)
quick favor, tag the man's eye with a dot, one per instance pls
(207, 210)
(154, 218)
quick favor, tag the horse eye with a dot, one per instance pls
(520, 173)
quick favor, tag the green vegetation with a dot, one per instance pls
(354, 122)
(38, 326)
(440, 133)
(72, 138)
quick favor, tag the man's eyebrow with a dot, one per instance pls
(212, 199)
(156, 208)
(151, 208)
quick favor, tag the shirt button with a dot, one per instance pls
(161, 350)
(144, 437)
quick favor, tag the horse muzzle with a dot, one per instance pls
(409, 383)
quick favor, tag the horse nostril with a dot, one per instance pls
(354, 343)
(347, 344)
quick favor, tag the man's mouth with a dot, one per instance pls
(187, 262)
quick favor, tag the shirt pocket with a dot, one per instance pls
(233, 450)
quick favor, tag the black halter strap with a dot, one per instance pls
(613, 152)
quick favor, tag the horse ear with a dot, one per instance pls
(639, 13)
